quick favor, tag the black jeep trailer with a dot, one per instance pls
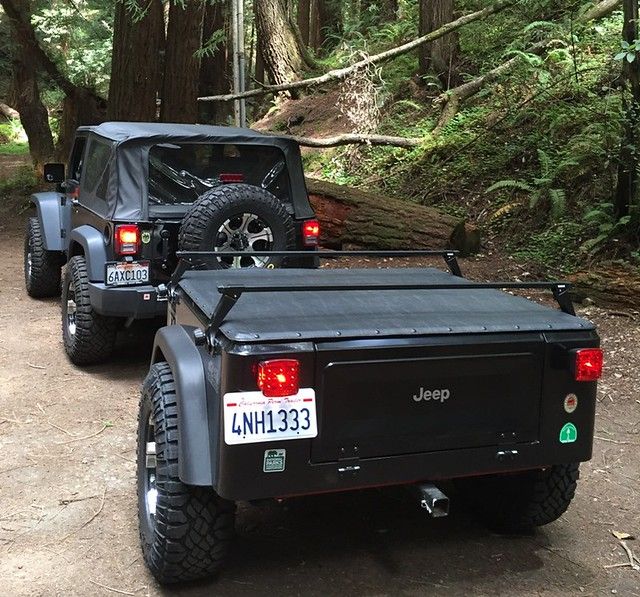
(285, 382)
(135, 193)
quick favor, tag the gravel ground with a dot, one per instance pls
(67, 492)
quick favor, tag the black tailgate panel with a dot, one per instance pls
(368, 403)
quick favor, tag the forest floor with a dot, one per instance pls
(68, 507)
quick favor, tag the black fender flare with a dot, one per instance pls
(174, 344)
(48, 207)
(93, 247)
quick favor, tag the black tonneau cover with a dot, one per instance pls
(294, 315)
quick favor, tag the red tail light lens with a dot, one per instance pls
(228, 177)
(279, 377)
(127, 239)
(310, 233)
(588, 365)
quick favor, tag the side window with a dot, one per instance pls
(75, 161)
(96, 168)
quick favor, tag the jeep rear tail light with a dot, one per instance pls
(127, 239)
(279, 377)
(310, 233)
(228, 177)
(588, 364)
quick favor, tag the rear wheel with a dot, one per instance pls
(239, 218)
(185, 531)
(42, 268)
(522, 501)
(88, 336)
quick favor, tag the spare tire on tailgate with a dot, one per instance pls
(237, 217)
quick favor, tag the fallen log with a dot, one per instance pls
(609, 285)
(371, 220)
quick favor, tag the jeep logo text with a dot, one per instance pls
(436, 395)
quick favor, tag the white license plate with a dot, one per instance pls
(251, 417)
(121, 273)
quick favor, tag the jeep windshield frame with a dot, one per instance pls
(127, 194)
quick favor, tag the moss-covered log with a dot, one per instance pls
(371, 220)
(611, 285)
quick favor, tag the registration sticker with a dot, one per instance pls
(251, 417)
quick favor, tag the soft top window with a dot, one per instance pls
(96, 167)
(180, 173)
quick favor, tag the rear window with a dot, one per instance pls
(180, 173)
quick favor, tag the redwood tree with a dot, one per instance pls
(179, 101)
(439, 56)
(138, 42)
(277, 43)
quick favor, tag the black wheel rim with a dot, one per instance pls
(245, 232)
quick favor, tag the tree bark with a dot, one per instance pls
(304, 8)
(343, 73)
(602, 9)
(179, 101)
(8, 112)
(609, 285)
(214, 68)
(136, 63)
(370, 220)
(283, 61)
(439, 56)
(356, 139)
(627, 187)
(33, 113)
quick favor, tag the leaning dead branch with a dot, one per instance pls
(342, 73)
(602, 9)
(357, 139)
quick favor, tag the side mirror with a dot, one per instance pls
(54, 173)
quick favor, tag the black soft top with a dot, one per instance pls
(128, 169)
(316, 315)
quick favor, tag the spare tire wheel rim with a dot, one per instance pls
(70, 315)
(244, 232)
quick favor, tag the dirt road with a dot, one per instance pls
(67, 497)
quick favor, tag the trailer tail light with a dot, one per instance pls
(228, 178)
(127, 239)
(588, 364)
(310, 233)
(279, 377)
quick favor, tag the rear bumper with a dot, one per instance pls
(139, 302)
(301, 477)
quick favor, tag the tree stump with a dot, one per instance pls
(371, 220)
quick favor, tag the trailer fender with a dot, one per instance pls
(48, 206)
(86, 240)
(174, 345)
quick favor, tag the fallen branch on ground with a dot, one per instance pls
(602, 9)
(90, 520)
(357, 139)
(343, 73)
(108, 588)
(79, 439)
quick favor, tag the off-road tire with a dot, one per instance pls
(522, 501)
(191, 532)
(42, 279)
(199, 227)
(95, 334)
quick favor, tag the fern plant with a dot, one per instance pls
(542, 188)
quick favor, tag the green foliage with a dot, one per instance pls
(21, 183)
(553, 247)
(12, 138)
(604, 228)
(629, 51)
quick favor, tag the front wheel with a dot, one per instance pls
(521, 501)
(88, 336)
(185, 531)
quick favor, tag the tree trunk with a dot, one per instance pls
(329, 22)
(627, 187)
(33, 113)
(214, 68)
(182, 66)
(136, 63)
(370, 220)
(283, 61)
(437, 57)
(609, 285)
(304, 8)
(602, 9)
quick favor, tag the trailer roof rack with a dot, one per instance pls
(230, 293)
